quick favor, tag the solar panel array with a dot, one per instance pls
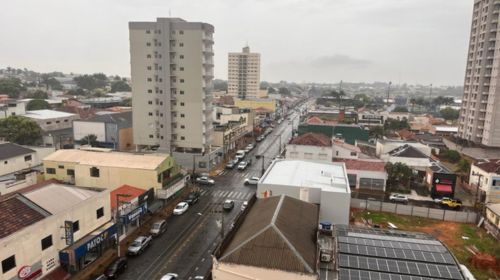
(372, 254)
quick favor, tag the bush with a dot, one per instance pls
(451, 156)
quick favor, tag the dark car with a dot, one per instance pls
(228, 205)
(193, 198)
(116, 268)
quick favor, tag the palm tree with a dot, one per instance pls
(90, 139)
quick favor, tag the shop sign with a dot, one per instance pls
(26, 273)
(68, 232)
(134, 214)
(95, 241)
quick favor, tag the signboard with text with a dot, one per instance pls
(68, 232)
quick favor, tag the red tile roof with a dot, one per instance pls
(133, 192)
(346, 145)
(318, 120)
(367, 165)
(405, 134)
(16, 214)
(489, 165)
(312, 139)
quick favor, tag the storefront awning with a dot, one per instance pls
(443, 188)
(155, 206)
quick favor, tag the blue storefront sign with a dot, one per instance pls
(135, 214)
(95, 241)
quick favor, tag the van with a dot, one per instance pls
(158, 228)
(240, 154)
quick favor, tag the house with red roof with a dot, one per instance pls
(312, 146)
(131, 207)
(486, 174)
(365, 174)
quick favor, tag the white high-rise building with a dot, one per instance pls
(480, 114)
(172, 73)
(243, 74)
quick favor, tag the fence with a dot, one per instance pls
(416, 211)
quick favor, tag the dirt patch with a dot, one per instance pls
(443, 231)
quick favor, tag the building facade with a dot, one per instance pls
(486, 174)
(479, 119)
(50, 120)
(172, 73)
(243, 74)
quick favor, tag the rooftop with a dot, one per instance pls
(365, 253)
(363, 164)
(123, 119)
(312, 139)
(438, 167)
(331, 177)
(489, 165)
(10, 150)
(129, 192)
(107, 158)
(407, 151)
(268, 239)
(495, 208)
(47, 114)
(17, 213)
(446, 128)
(345, 145)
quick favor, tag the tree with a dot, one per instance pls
(39, 94)
(451, 156)
(441, 100)
(398, 174)
(284, 91)
(90, 139)
(91, 82)
(50, 82)
(463, 167)
(401, 109)
(37, 104)
(449, 113)
(392, 124)
(77, 91)
(376, 131)
(220, 85)
(271, 90)
(20, 130)
(11, 87)
(120, 86)
(338, 96)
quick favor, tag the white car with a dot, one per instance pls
(205, 181)
(170, 276)
(396, 197)
(244, 205)
(240, 154)
(252, 181)
(242, 165)
(181, 208)
(249, 148)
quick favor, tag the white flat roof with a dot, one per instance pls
(302, 173)
(57, 198)
(447, 128)
(47, 114)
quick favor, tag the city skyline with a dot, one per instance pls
(356, 41)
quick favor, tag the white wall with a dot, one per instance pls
(309, 152)
(492, 192)
(56, 123)
(368, 174)
(18, 110)
(82, 129)
(12, 185)
(341, 152)
(26, 243)
(334, 207)
(14, 164)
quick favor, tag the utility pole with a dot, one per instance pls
(388, 92)
(477, 187)
(279, 153)
(118, 221)
(263, 169)
(430, 97)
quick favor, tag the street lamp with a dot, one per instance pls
(118, 224)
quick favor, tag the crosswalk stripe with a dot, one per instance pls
(240, 195)
(223, 193)
(216, 193)
(248, 196)
(203, 192)
(230, 194)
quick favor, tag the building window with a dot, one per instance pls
(76, 226)
(181, 44)
(48, 123)
(149, 67)
(65, 120)
(150, 102)
(353, 154)
(182, 103)
(181, 92)
(148, 31)
(183, 138)
(150, 113)
(70, 172)
(58, 121)
(150, 91)
(182, 126)
(182, 81)
(148, 56)
(94, 172)
(150, 135)
(181, 32)
(46, 242)
(182, 115)
(9, 263)
(27, 158)
(181, 56)
(148, 44)
(60, 166)
(50, 170)
(149, 79)
(99, 212)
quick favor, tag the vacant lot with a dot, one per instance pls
(458, 237)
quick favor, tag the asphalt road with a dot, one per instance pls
(186, 247)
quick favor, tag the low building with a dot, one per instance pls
(366, 174)
(270, 105)
(47, 227)
(50, 120)
(440, 180)
(129, 206)
(444, 130)
(410, 156)
(11, 107)
(14, 158)
(370, 119)
(268, 246)
(341, 149)
(384, 146)
(104, 168)
(492, 222)
(112, 130)
(350, 133)
(486, 174)
(310, 146)
(229, 136)
(321, 183)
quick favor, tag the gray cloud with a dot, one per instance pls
(332, 61)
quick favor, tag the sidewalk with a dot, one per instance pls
(98, 267)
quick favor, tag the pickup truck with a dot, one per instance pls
(451, 203)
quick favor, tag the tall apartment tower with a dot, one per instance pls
(480, 113)
(172, 73)
(243, 74)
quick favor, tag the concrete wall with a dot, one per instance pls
(309, 152)
(334, 207)
(340, 152)
(126, 139)
(83, 128)
(493, 218)
(368, 174)
(12, 185)
(56, 123)
(14, 164)
(229, 271)
(26, 243)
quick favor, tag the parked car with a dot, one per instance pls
(228, 205)
(259, 138)
(170, 276)
(193, 198)
(451, 203)
(396, 197)
(243, 165)
(231, 164)
(181, 208)
(249, 147)
(139, 245)
(199, 277)
(244, 205)
(158, 228)
(252, 181)
(116, 268)
(240, 154)
(99, 277)
(205, 181)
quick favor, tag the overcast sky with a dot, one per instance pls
(413, 41)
